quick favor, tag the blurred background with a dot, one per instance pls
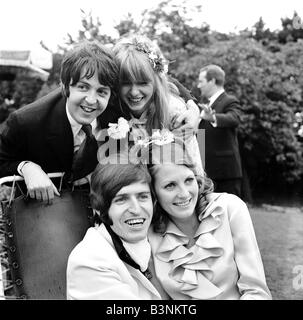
(258, 43)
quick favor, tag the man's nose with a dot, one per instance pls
(91, 97)
(134, 206)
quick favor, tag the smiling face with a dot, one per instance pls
(131, 212)
(137, 96)
(177, 190)
(87, 99)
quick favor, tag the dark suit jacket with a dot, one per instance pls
(40, 132)
(222, 157)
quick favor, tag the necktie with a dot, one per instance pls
(123, 254)
(85, 159)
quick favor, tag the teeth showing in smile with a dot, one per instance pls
(182, 203)
(133, 222)
(135, 100)
(87, 109)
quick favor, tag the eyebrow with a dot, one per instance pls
(126, 194)
(167, 181)
(84, 80)
(174, 180)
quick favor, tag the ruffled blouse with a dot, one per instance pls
(208, 269)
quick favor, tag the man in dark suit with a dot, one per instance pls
(220, 118)
(42, 137)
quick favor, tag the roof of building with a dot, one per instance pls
(26, 59)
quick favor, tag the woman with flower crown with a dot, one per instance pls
(148, 100)
(203, 243)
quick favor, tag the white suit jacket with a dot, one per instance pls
(95, 272)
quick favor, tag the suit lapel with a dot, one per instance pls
(60, 139)
(143, 280)
(218, 101)
(135, 273)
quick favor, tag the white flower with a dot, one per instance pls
(165, 67)
(163, 137)
(153, 56)
(156, 135)
(118, 130)
(143, 142)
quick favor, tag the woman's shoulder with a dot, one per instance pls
(231, 204)
(224, 197)
(176, 104)
(227, 201)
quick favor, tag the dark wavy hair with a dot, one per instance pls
(108, 179)
(161, 217)
(91, 57)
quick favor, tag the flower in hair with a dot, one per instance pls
(118, 130)
(156, 59)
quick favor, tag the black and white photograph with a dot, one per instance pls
(151, 151)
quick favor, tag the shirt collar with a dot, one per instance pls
(76, 127)
(213, 98)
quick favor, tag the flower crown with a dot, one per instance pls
(156, 59)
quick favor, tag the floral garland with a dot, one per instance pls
(141, 150)
(120, 130)
(157, 61)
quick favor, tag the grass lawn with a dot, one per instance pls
(279, 232)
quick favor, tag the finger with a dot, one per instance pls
(172, 122)
(202, 106)
(205, 107)
(178, 133)
(184, 134)
(50, 195)
(55, 190)
(179, 120)
(186, 127)
(44, 194)
(32, 194)
(38, 195)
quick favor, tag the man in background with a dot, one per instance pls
(220, 118)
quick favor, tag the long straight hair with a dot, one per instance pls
(135, 67)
